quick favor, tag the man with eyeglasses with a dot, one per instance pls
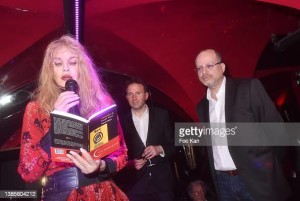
(239, 172)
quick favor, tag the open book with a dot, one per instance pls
(98, 134)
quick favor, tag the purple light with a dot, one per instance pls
(77, 19)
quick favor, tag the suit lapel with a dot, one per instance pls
(133, 128)
(150, 124)
(206, 111)
(229, 95)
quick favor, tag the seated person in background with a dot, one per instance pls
(197, 190)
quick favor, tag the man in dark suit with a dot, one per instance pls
(149, 138)
(239, 172)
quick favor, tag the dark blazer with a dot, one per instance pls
(247, 101)
(160, 132)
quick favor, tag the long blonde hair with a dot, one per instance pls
(92, 93)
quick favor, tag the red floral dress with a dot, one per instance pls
(35, 163)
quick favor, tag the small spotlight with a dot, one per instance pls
(298, 78)
(6, 99)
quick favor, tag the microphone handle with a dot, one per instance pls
(74, 110)
(71, 85)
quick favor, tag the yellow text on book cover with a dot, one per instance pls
(98, 137)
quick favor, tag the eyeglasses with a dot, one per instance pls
(207, 66)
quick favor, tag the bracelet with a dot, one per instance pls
(102, 167)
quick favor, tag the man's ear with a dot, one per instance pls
(147, 95)
(223, 67)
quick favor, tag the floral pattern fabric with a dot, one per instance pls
(34, 162)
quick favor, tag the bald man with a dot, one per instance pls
(239, 172)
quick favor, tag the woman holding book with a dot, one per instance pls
(84, 178)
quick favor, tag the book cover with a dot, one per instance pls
(98, 134)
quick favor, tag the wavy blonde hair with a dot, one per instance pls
(92, 93)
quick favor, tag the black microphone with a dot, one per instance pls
(71, 85)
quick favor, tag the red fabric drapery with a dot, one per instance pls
(289, 3)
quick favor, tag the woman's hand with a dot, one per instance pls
(85, 162)
(66, 100)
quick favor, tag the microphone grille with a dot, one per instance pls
(71, 85)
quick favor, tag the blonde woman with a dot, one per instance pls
(86, 179)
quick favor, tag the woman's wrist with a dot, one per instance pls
(102, 166)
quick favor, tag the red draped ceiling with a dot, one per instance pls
(288, 3)
(158, 39)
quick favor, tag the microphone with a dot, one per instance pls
(71, 85)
